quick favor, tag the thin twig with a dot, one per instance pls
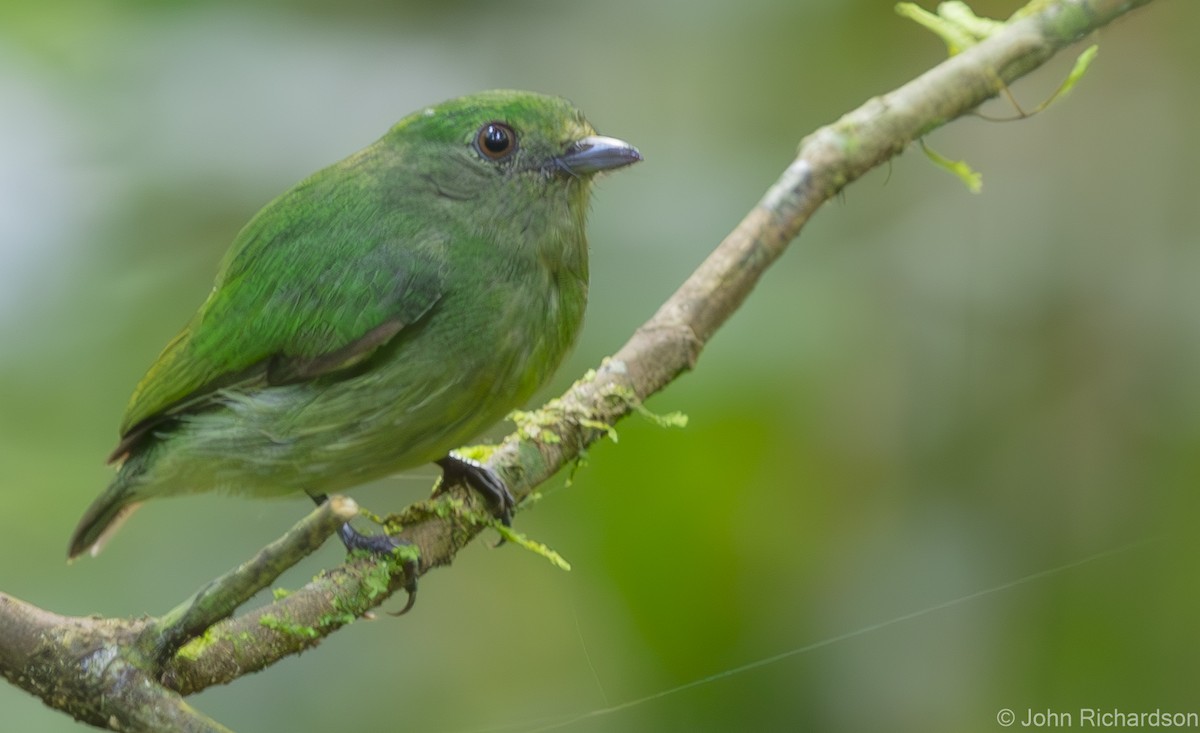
(221, 597)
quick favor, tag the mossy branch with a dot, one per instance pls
(220, 598)
(129, 674)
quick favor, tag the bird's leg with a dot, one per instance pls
(482, 479)
(377, 544)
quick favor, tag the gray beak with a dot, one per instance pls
(597, 153)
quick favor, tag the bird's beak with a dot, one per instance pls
(597, 153)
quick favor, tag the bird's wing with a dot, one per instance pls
(314, 284)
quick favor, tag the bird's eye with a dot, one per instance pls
(496, 140)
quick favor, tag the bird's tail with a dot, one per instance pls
(105, 516)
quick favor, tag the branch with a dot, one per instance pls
(130, 674)
(829, 159)
(671, 341)
(217, 600)
(78, 665)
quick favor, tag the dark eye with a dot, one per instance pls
(496, 140)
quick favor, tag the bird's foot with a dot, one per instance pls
(378, 544)
(385, 545)
(456, 468)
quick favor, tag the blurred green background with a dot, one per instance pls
(931, 394)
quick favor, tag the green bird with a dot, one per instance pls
(377, 315)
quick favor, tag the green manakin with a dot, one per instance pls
(380, 313)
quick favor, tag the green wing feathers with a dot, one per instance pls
(321, 278)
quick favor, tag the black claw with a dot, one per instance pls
(382, 544)
(410, 572)
(378, 544)
(482, 479)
